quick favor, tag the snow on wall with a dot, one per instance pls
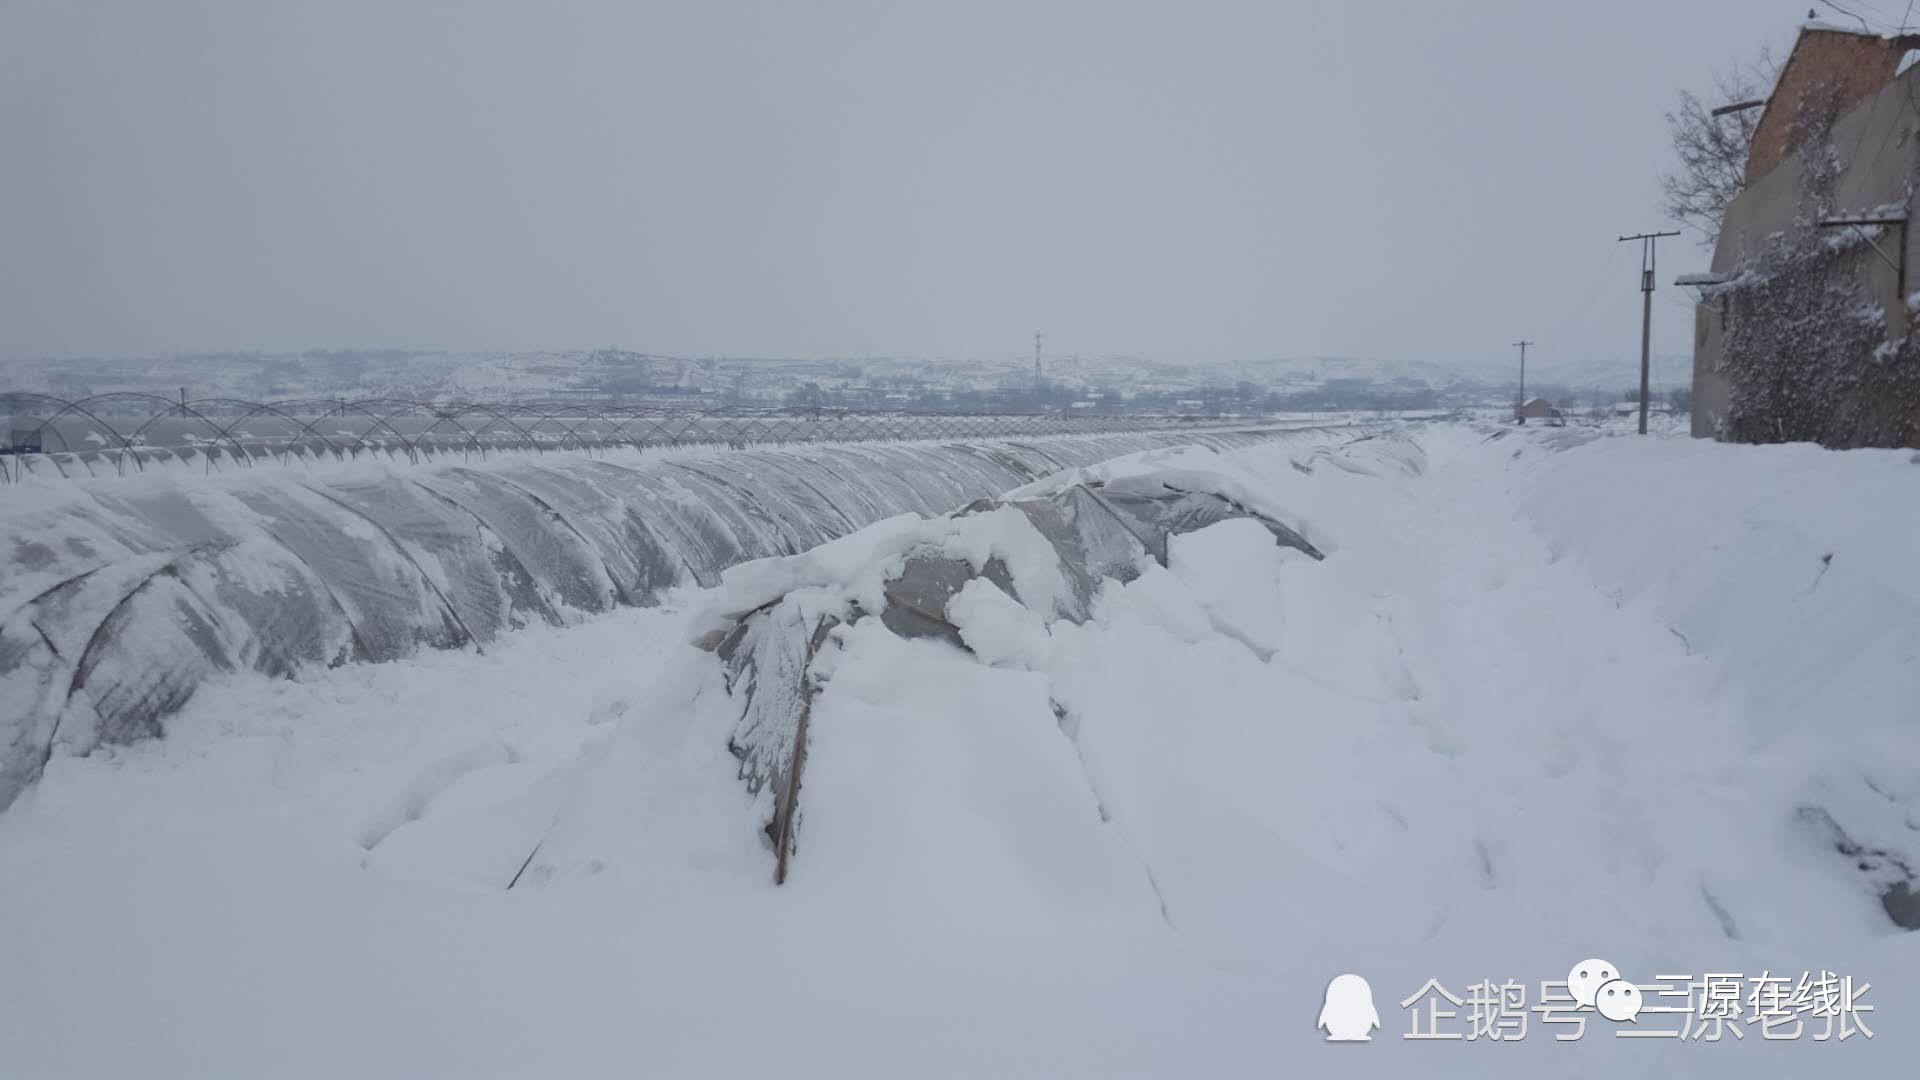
(121, 596)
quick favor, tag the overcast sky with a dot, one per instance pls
(1182, 180)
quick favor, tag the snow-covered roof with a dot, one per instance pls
(1837, 28)
(1701, 279)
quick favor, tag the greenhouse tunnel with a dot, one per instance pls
(121, 596)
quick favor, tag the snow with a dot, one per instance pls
(1553, 693)
(1844, 28)
(1702, 279)
(120, 596)
(861, 562)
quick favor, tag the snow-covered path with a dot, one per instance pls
(1454, 750)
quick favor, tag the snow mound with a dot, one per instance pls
(989, 580)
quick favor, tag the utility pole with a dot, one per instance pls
(1037, 384)
(1647, 242)
(1521, 402)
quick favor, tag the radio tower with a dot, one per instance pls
(1037, 384)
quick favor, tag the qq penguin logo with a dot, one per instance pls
(1348, 1013)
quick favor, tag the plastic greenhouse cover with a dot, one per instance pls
(122, 594)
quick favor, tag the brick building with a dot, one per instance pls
(1829, 69)
(1805, 330)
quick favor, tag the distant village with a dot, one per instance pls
(1071, 384)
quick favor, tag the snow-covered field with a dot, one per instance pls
(1553, 694)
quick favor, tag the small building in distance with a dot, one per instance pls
(1537, 409)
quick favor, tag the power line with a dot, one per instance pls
(1862, 19)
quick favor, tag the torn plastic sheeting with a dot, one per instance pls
(1177, 512)
(768, 644)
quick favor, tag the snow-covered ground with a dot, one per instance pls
(1553, 694)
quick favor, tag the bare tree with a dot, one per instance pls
(1713, 149)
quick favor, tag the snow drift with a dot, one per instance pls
(1790, 570)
